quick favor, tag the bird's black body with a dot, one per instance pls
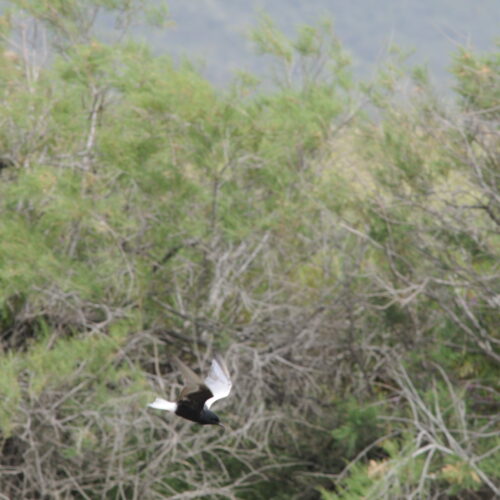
(203, 417)
(191, 404)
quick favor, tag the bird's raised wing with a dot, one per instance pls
(218, 381)
(195, 393)
(190, 377)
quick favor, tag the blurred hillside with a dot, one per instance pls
(214, 31)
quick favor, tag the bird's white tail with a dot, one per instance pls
(162, 404)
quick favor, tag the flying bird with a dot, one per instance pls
(198, 395)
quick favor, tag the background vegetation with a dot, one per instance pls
(339, 242)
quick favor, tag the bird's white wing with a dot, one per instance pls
(218, 381)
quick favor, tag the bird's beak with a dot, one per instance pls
(223, 428)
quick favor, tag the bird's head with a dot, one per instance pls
(208, 417)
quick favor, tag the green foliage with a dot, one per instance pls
(64, 365)
(359, 485)
(269, 40)
(48, 368)
(360, 428)
(314, 57)
(477, 80)
(10, 393)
